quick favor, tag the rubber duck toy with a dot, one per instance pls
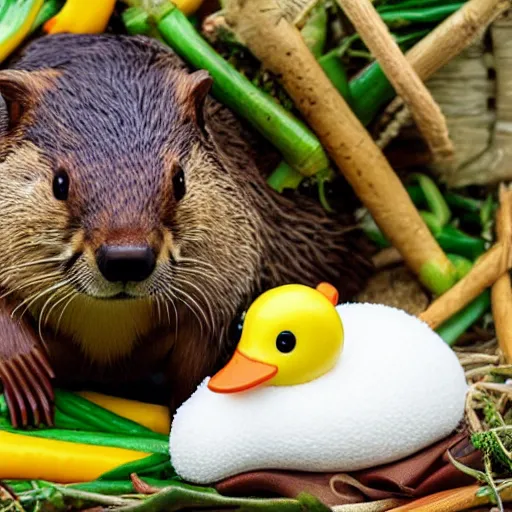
(316, 386)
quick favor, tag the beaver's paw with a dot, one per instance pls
(28, 389)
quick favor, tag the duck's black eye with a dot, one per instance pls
(178, 184)
(285, 342)
(61, 185)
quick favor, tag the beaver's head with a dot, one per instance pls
(109, 188)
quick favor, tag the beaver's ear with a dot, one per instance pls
(19, 90)
(198, 86)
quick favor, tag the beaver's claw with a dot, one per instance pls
(28, 390)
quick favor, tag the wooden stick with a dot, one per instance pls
(488, 269)
(454, 34)
(453, 500)
(501, 293)
(424, 110)
(446, 41)
(281, 49)
(485, 272)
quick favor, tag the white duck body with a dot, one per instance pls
(396, 389)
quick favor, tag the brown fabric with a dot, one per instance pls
(424, 473)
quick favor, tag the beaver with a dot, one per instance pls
(135, 223)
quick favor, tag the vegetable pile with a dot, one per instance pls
(329, 84)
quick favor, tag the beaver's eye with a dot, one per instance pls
(235, 330)
(61, 185)
(285, 342)
(178, 184)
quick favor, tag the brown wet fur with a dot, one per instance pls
(120, 115)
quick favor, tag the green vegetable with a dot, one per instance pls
(458, 324)
(97, 418)
(409, 4)
(154, 464)
(141, 444)
(335, 72)
(314, 31)
(16, 19)
(299, 146)
(137, 21)
(434, 198)
(284, 177)
(405, 18)
(49, 9)
(453, 240)
(461, 264)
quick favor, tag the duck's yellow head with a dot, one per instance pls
(291, 334)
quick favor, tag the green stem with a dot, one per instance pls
(405, 18)
(462, 265)
(410, 4)
(299, 146)
(283, 177)
(314, 31)
(153, 463)
(458, 324)
(49, 9)
(335, 72)
(98, 418)
(175, 498)
(434, 198)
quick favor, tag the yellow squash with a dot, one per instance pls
(81, 17)
(32, 458)
(154, 417)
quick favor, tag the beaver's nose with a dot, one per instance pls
(126, 262)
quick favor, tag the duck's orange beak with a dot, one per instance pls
(240, 374)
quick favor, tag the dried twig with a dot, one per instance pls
(493, 264)
(453, 500)
(425, 111)
(496, 262)
(445, 42)
(501, 295)
(280, 48)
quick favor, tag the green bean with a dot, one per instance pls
(453, 240)
(335, 72)
(151, 463)
(434, 198)
(405, 18)
(461, 264)
(299, 146)
(432, 222)
(283, 177)
(458, 324)
(412, 4)
(64, 421)
(462, 202)
(101, 419)
(49, 9)
(416, 194)
(127, 442)
(314, 31)
(136, 21)
(370, 90)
